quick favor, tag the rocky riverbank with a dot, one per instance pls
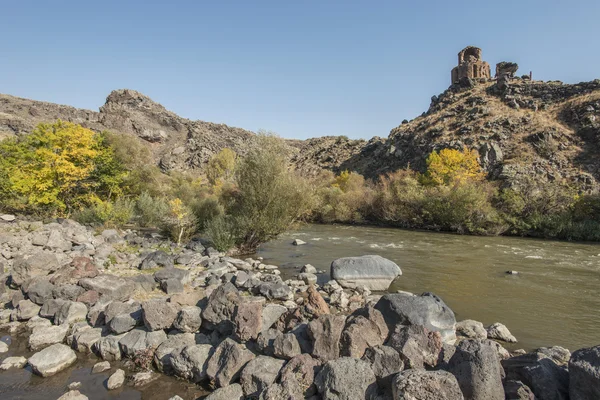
(237, 328)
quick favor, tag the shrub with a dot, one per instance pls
(151, 211)
(222, 232)
(268, 196)
(107, 213)
(205, 210)
(179, 222)
(449, 165)
(221, 167)
(347, 198)
(399, 199)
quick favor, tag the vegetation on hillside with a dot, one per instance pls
(65, 170)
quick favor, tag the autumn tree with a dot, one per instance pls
(221, 166)
(57, 168)
(449, 166)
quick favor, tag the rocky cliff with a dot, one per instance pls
(548, 130)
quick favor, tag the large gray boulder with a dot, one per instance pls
(371, 271)
(584, 373)
(175, 343)
(325, 333)
(427, 310)
(417, 346)
(37, 264)
(140, 340)
(158, 259)
(52, 360)
(191, 362)
(543, 370)
(45, 336)
(476, 366)
(158, 314)
(189, 319)
(85, 340)
(227, 362)
(258, 374)
(26, 309)
(40, 290)
(70, 313)
(346, 379)
(220, 308)
(418, 384)
(107, 347)
(110, 287)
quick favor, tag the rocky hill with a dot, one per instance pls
(548, 130)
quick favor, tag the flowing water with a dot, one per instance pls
(554, 300)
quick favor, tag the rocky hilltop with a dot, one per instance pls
(521, 128)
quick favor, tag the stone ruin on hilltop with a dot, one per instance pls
(470, 65)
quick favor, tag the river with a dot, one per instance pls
(554, 300)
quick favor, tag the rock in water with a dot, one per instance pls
(116, 380)
(500, 332)
(419, 384)
(52, 359)
(346, 379)
(584, 373)
(427, 310)
(73, 395)
(373, 272)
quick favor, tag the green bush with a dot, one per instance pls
(108, 213)
(399, 199)
(222, 232)
(206, 210)
(150, 212)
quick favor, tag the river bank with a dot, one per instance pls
(148, 306)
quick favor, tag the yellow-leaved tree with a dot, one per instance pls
(450, 166)
(57, 168)
(221, 167)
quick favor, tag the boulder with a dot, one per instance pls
(372, 271)
(301, 371)
(231, 392)
(471, 329)
(346, 379)
(116, 380)
(283, 391)
(110, 287)
(286, 346)
(37, 264)
(220, 308)
(476, 366)
(96, 314)
(51, 307)
(418, 384)
(275, 290)
(427, 310)
(71, 312)
(163, 356)
(385, 362)
(265, 343)
(227, 362)
(157, 259)
(158, 314)
(499, 331)
(52, 360)
(364, 328)
(259, 373)
(143, 378)
(79, 268)
(543, 370)
(171, 273)
(247, 318)
(416, 345)
(107, 347)
(26, 309)
(45, 336)
(325, 333)
(172, 286)
(191, 362)
(40, 290)
(140, 340)
(270, 314)
(125, 322)
(517, 390)
(584, 374)
(189, 319)
(67, 292)
(85, 340)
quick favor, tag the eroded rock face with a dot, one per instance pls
(227, 362)
(476, 366)
(346, 379)
(584, 374)
(427, 310)
(419, 384)
(371, 271)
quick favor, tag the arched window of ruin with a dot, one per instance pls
(472, 52)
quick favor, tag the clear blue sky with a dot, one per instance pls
(299, 68)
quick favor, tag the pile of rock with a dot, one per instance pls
(237, 326)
